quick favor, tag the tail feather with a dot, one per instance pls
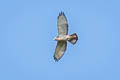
(73, 38)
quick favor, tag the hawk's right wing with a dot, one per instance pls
(60, 49)
(62, 25)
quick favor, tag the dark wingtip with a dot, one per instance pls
(61, 13)
(56, 60)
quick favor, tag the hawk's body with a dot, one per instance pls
(63, 37)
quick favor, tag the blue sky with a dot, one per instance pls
(27, 29)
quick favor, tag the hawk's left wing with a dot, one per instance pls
(60, 49)
(62, 24)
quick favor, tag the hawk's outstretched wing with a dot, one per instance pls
(62, 25)
(60, 49)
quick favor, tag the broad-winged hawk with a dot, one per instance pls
(63, 37)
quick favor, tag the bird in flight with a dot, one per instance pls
(63, 37)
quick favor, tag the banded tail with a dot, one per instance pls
(73, 38)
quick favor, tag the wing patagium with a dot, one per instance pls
(62, 24)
